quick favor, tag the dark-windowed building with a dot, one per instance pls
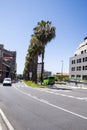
(7, 63)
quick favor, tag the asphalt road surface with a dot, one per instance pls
(61, 108)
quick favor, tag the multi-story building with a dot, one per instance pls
(78, 63)
(7, 63)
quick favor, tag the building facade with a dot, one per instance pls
(78, 63)
(7, 63)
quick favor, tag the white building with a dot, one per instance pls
(78, 63)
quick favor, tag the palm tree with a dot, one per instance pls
(44, 33)
(36, 48)
(27, 63)
(32, 58)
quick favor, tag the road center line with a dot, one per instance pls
(46, 102)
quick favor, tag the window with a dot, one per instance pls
(81, 52)
(78, 68)
(84, 51)
(72, 76)
(83, 59)
(79, 60)
(84, 77)
(73, 61)
(73, 68)
(83, 68)
(78, 76)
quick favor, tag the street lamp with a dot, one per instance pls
(62, 68)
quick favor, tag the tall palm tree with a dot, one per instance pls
(32, 58)
(36, 47)
(26, 68)
(44, 33)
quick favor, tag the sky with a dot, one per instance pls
(19, 17)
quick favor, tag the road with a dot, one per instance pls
(61, 108)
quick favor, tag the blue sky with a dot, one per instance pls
(19, 17)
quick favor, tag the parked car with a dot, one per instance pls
(7, 81)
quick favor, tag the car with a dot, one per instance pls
(13, 81)
(7, 81)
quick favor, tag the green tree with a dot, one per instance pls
(44, 33)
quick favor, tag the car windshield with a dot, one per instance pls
(7, 79)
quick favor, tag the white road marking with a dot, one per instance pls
(10, 127)
(60, 94)
(50, 104)
(44, 101)
(0, 127)
(69, 96)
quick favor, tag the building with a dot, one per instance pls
(63, 74)
(78, 63)
(39, 67)
(7, 63)
(46, 73)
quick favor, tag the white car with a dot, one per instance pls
(7, 81)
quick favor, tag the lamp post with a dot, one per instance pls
(62, 68)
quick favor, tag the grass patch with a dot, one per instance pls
(32, 84)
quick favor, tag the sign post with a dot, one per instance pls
(30, 75)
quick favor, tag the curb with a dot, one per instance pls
(71, 86)
(6, 121)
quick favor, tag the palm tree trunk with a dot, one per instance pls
(34, 70)
(42, 69)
